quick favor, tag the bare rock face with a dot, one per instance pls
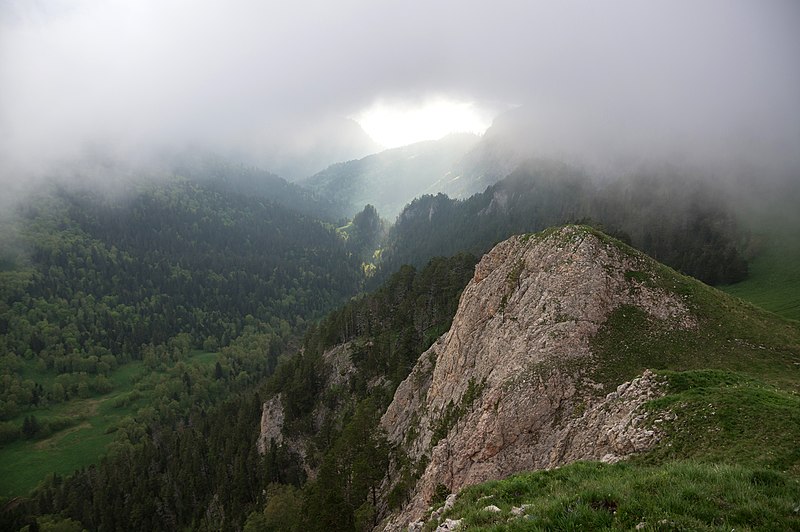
(615, 425)
(508, 388)
(339, 370)
(271, 433)
(271, 424)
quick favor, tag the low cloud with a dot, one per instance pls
(255, 77)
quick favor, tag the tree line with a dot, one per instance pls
(682, 221)
(106, 276)
(200, 468)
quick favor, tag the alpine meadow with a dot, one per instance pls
(363, 266)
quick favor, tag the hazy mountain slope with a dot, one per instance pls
(390, 179)
(528, 132)
(226, 177)
(677, 219)
(501, 149)
(302, 148)
(610, 145)
(108, 300)
(774, 280)
(531, 373)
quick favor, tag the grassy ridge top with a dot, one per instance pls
(731, 334)
(593, 496)
(730, 422)
(774, 280)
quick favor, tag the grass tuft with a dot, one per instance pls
(683, 495)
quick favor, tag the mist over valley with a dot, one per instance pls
(399, 266)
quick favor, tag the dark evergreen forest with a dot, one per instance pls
(202, 470)
(216, 263)
(106, 278)
(677, 219)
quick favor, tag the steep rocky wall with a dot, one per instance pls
(508, 388)
(271, 424)
(339, 369)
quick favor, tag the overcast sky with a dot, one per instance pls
(244, 73)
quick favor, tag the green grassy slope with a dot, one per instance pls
(729, 455)
(774, 281)
(91, 426)
(733, 379)
(773, 219)
(593, 496)
(729, 334)
(725, 417)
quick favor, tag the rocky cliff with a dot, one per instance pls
(512, 386)
(339, 369)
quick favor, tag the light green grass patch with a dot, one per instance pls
(24, 463)
(592, 496)
(774, 280)
(202, 358)
(725, 417)
(93, 421)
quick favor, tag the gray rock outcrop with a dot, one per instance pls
(509, 387)
(271, 424)
(339, 369)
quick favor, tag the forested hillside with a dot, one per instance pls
(172, 308)
(177, 258)
(677, 219)
(202, 469)
(337, 418)
(227, 176)
(114, 305)
(390, 179)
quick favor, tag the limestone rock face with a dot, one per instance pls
(271, 424)
(508, 388)
(339, 369)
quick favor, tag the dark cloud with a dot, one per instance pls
(247, 75)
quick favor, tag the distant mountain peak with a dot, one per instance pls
(392, 178)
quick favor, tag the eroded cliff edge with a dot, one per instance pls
(511, 386)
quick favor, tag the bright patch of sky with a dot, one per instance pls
(394, 124)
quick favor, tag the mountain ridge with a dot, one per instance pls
(515, 364)
(675, 218)
(566, 345)
(391, 178)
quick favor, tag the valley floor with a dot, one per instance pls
(91, 426)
